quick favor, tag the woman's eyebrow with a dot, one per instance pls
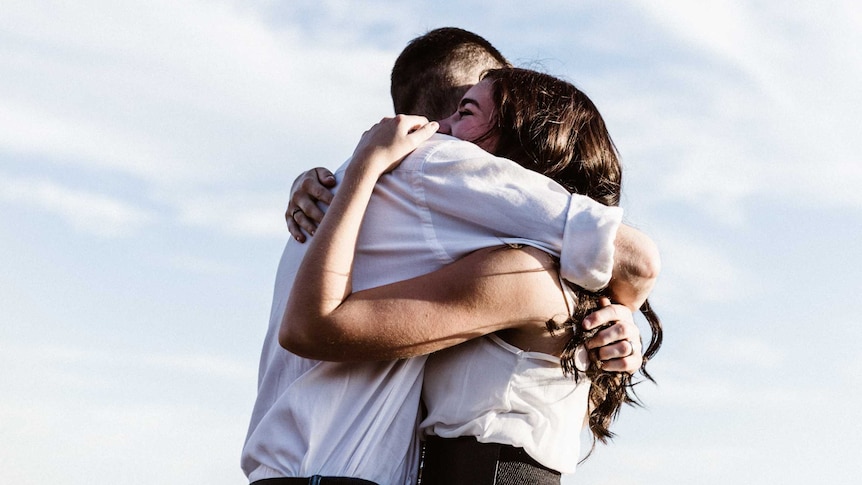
(466, 101)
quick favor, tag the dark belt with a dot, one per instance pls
(457, 461)
(315, 480)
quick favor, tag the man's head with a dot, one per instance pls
(436, 69)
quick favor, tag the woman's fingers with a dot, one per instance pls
(392, 139)
(424, 131)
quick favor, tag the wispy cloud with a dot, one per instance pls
(697, 272)
(145, 414)
(69, 358)
(763, 127)
(94, 213)
(181, 94)
(239, 214)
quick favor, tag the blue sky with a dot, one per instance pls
(146, 150)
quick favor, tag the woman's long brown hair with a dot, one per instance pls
(549, 126)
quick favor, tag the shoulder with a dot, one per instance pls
(440, 149)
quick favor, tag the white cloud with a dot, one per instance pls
(239, 214)
(214, 106)
(143, 416)
(61, 361)
(199, 100)
(181, 93)
(772, 107)
(657, 462)
(695, 273)
(203, 266)
(143, 443)
(87, 211)
(691, 384)
(744, 351)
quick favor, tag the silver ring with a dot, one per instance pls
(631, 348)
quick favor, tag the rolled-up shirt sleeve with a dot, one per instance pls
(500, 196)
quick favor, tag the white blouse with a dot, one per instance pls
(498, 393)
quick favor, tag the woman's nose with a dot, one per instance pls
(445, 126)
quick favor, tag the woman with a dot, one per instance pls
(548, 126)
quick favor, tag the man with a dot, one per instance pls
(357, 420)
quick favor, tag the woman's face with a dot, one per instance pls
(473, 120)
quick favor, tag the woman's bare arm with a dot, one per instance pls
(478, 295)
(488, 290)
(323, 280)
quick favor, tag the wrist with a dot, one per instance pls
(365, 166)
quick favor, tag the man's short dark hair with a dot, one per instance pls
(428, 76)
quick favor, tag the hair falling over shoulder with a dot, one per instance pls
(609, 391)
(549, 126)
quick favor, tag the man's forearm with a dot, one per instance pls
(636, 267)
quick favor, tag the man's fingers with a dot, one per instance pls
(294, 229)
(309, 215)
(618, 350)
(303, 213)
(629, 364)
(617, 347)
(622, 356)
(305, 222)
(605, 315)
(326, 178)
(311, 190)
(621, 330)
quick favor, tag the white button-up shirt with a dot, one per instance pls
(448, 198)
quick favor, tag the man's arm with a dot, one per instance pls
(499, 197)
(512, 201)
(636, 258)
(459, 180)
(636, 267)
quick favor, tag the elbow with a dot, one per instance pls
(637, 255)
(648, 265)
(302, 343)
(288, 340)
(296, 335)
(311, 340)
(642, 272)
(636, 269)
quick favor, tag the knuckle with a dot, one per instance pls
(614, 333)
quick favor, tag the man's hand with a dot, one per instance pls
(617, 348)
(303, 211)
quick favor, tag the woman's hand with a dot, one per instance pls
(386, 144)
